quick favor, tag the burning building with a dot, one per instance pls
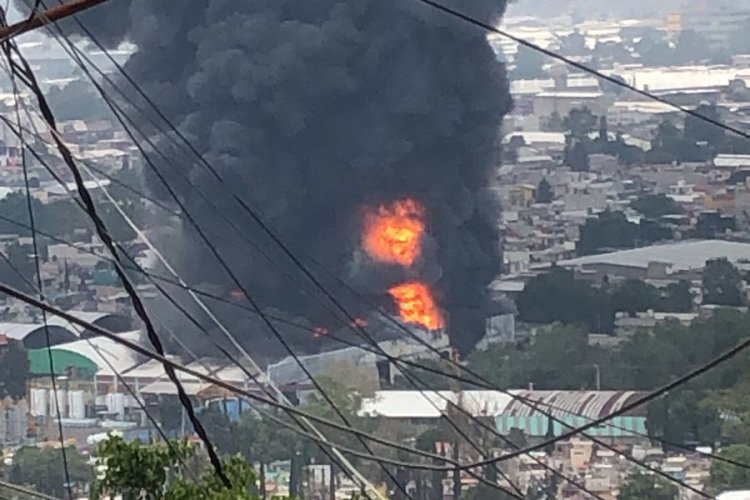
(363, 131)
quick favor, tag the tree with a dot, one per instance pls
(704, 138)
(573, 44)
(14, 370)
(544, 193)
(655, 206)
(580, 122)
(643, 486)
(529, 64)
(722, 284)
(691, 47)
(678, 297)
(725, 476)
(667, 145)
(134, 470)
(635, 295)
(654, 49)
(42, 469)
(610, 229)
(558, 296)
(576, 155)
(684, 418)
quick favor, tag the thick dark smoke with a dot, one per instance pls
(314, 109)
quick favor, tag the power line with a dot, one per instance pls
(8, 47)
(117, 110)
(291, 256)
(135, 347)
(582, 67)
(26, 491)
(495, 432)
(481, 423)
(25, 73)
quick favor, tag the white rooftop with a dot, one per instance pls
(682, 256)
(432, 404)
(532, 137)
(105, 352)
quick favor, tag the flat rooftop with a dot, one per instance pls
(682, 256)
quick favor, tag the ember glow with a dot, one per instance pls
(417, 305)
(393, 233)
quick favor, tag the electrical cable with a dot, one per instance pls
(39, 288)
(495, 432)
(135, 347)
(200, 231)
(26, 491)
(62, 183)
(586, 69)
(25, 73)
(481, 423)
(293, 355)
(7, 47)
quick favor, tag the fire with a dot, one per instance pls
(417, 305)
(393, 233)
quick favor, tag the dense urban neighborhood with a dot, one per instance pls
(598, 353)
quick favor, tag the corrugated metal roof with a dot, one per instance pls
(539, 425)
(682, 256)
(588, 404)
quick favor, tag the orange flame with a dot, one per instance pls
(417, 305)
(393, 233)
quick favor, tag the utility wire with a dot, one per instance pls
(200, 231)
(135, 347)
(482, 424)
(79, 203)
(39, 288)
(24, 72)
(586, 69)
(241, 202)
(8, 47)
(26, 491)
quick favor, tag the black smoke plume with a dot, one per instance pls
(312, 110)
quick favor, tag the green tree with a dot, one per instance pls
(544, 192)
(654, 49)
(42, 469)
(576, 155)
(684, 417)
(14, 370)
(635, 295)
(580, 122)
(703, 139)
(678, 297)
(667, 145)
(610, 229)
(163, 472)
(725, 476)
(573, 44)
(558, 296)
(529, 64)
(722, 284)
(643, 486)
(654, 206)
